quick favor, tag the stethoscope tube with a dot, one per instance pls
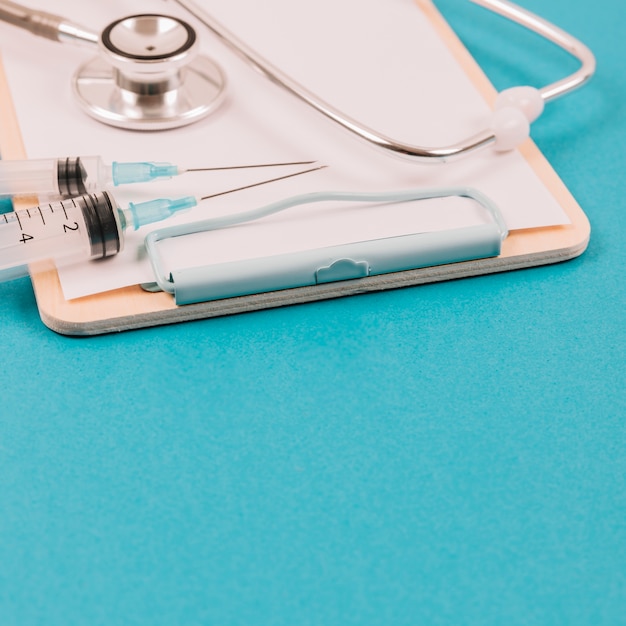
(513, 100)
(558, 37)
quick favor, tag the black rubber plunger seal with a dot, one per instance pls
(105, 37)
(71, 176)
(102, 224)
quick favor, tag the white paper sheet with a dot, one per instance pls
(378, 60)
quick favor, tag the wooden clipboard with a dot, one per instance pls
(132, 307)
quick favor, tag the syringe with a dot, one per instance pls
(74, 176)
(89, 226)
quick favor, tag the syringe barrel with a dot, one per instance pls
(64, 177)
(85, 227)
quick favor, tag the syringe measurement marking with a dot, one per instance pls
(66, 228)
(25, 237)
(18, 216)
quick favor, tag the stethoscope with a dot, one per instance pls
(149, 75)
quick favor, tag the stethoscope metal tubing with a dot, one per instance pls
(554, 34)
(416, 153)
(47, 25)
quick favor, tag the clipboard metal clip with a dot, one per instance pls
(346, 262)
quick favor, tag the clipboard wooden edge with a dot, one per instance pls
(132, 307)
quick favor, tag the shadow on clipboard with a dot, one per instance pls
(133, 307)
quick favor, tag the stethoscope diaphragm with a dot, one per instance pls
(149, 75)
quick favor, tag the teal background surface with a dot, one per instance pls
(451, 454)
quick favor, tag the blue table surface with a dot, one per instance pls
(446, 454)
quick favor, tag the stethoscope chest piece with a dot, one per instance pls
(149, 76)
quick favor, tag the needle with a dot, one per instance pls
(271, 180)
(143, 172)
(242, 167)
